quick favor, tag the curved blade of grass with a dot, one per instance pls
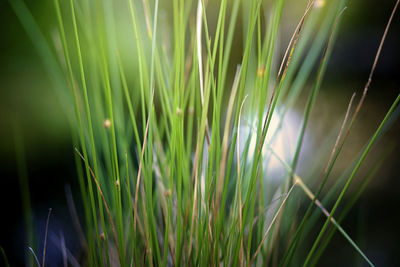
(3, 253)
(34, 256)
(42, 47)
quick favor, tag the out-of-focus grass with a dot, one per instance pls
(153, 99)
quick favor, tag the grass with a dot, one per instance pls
(167, 175)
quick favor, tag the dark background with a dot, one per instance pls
(27, 100)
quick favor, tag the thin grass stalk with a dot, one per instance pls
(297, 180)
(351, 123)
(255, 169)
(24, 190)
(271, 224)
(105, 205)
(311, 100)
(360, 189)
(363, 156)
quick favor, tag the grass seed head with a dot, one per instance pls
(319, 3)
(260, 71)
(191, 110)
(179, 112)
(107, 123)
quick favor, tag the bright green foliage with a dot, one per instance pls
(166, 174)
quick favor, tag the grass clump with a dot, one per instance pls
(167, 173)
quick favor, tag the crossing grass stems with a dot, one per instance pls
(157, 146)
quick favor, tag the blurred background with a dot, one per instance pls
(28, 102)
